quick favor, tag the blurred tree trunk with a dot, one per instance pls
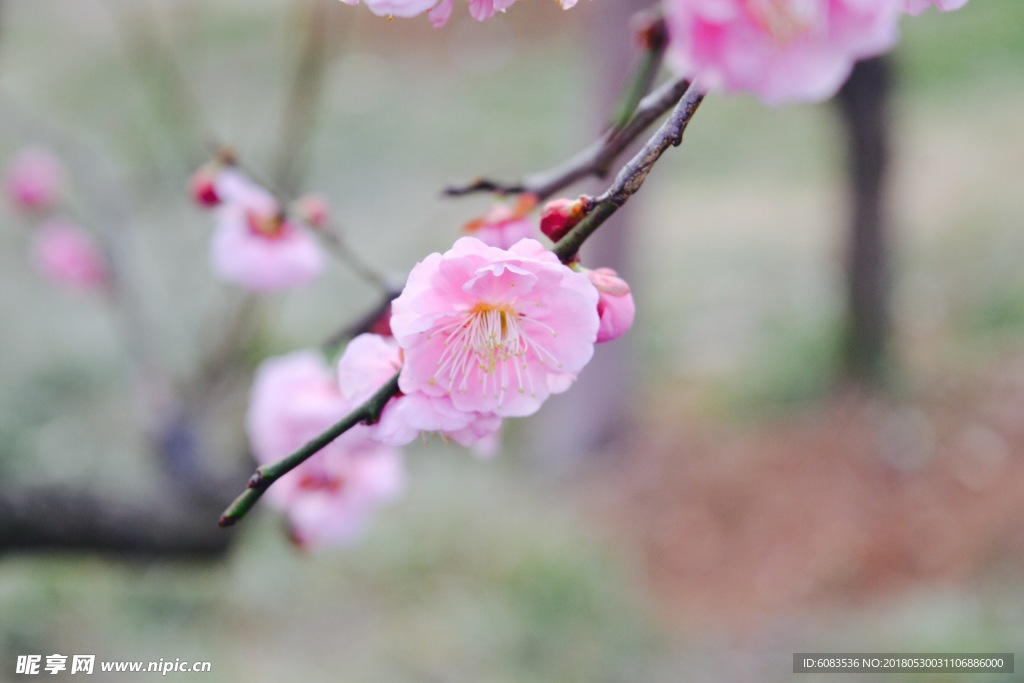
(586, 419)
(864, 105)
(176, 518)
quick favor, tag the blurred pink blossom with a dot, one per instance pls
(254, 245)
(439, 12)
(779, 50)
(64, 254)
(330, 497)
(314, 210)
(495, 330)
(918, 6)
(34, 178)
(615, 304)
(502, 226)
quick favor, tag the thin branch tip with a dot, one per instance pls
(266, 475)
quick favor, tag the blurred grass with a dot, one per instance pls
(482, 573)
(498, 579)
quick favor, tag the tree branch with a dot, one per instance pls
(66, 518)
(632, 175)
(626, 184)
(596, 160)
(365, 323)
(303, 100)
(332, 237)
(653, 36)
(367, 413)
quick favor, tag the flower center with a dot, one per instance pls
(498, 342)
(271, 227)
(787, 20)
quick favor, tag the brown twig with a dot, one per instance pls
(632, 175)
(596, 160)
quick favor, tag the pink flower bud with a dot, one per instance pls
(33, 179)
(313, 210)
(503, 226)
(615, 306)
(202, 186)
(561, 215)
(64, 254)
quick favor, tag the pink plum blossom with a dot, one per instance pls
(615, 304)
(330, 497)
(33, 179)
(502, 226)
(369, 361)
(495, 330)
(917, 6)
(64, 254)
(439, 12)
(254, 245)
(779, 50)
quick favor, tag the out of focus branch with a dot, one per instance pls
(332, 237)
(155, 62)
(652, 34)
(596, 160)
(67, 518)
(365, 323)
(303, 100)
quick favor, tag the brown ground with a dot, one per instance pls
(858, 499)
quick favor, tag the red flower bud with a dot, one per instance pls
(202, 186)
(561, 215)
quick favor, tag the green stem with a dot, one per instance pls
(654, 37)
(367, 413)
(303, 101)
